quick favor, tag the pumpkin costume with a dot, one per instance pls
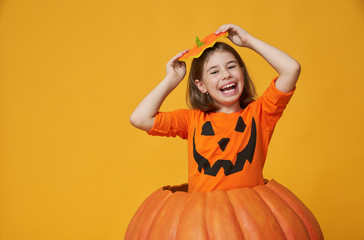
(263, 212)
(226, 197)
(225, 151)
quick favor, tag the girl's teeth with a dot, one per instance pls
(227, 86)
(226, 91)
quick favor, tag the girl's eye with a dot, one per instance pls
(231, 67)
(214, 72)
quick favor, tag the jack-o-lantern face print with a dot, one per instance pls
(242, 156)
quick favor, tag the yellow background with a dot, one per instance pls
(71, 73)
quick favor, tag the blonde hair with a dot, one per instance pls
(198, 100)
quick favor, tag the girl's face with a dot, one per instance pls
(223, 80)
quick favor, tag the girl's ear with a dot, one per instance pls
(200, 86)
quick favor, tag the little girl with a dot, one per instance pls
(227, 129)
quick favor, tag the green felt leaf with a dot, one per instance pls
(198, 42)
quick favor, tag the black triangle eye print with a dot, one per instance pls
(207, 129)
(244, 155)
(240, 125)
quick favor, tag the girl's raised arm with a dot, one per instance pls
(287, 67)
(144, 115)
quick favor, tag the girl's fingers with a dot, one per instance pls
(181, 53)
(225, 28)
(175, 58)
(221, 29)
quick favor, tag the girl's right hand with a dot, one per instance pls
(237, 35)
(176, 70)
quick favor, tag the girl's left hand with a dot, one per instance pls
(237, 35)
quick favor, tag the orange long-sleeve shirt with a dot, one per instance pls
(225, 151)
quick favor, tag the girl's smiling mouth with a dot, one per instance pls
(229, 88)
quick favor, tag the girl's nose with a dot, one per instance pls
(226, 74)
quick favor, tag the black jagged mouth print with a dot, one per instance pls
(244, 155)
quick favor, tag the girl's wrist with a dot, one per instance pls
(171, 82)
(250, 41)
